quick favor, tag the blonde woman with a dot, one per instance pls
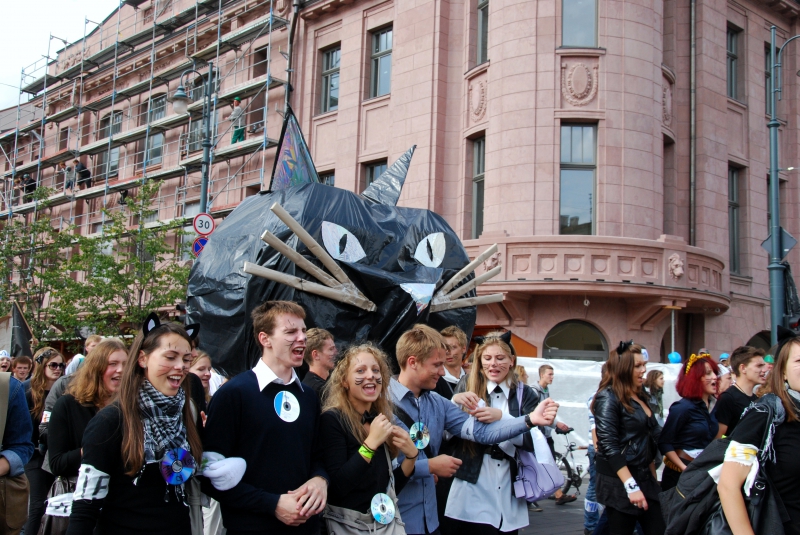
(481, 500)
(49, 367)
(357, 427)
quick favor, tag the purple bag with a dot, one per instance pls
(535, 481)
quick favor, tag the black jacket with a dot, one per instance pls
(623, 438)
(471, 454)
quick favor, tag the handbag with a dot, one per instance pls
(537, 474)
(13, 490)
(342, 521)
(56, 524)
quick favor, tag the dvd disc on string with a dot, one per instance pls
(420, 435)
(382, 508)
(177, 466)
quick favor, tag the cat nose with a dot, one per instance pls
(421, 293)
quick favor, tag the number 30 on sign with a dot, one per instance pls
(203, 224)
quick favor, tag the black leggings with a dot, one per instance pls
(473, 528)
(40, 482)
(652, 522)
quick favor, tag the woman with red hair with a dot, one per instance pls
(691, 425)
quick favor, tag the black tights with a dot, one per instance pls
(473, 528)
(40, 482)
(652, 522)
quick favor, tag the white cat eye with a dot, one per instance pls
(341, 244)
(430, 251)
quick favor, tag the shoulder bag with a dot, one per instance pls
(537, 478)
(13, 490)
(342, 521)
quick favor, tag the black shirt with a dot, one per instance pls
(445, 388)
(730, 406)
(353, 480)
(689, 426)
(785, 473)
(149, 506)
(68, 422)
(37, 457)
(316, 383)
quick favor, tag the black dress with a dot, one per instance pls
(68, 422)
(353, 480)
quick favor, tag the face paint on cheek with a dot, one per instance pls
(379, 380)
(359, 381)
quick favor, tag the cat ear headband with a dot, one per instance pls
(505, 337)
(151, 323)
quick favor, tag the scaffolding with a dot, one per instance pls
(103, 101)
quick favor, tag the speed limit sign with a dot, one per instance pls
(203, 224)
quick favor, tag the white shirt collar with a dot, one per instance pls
(450, 378)
(491, 385)
(265, 376)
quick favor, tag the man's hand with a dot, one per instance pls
(564, 427)
(287, 510)
(443, 465)
(5, 467)
(487, 415)
(469, 400)
(311, 497)
(545, 413)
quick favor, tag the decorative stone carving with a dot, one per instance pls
(282, 6)
(578, 84)
(492, 262)
(675, 266)
(477, 99)
(666, 102)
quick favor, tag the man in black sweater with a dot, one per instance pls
(321, 357)
(267, 417)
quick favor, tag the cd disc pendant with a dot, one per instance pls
(177, 466)
(287, 407)
(382, 508)
(420, 435)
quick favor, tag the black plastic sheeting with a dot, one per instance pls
(221, 296)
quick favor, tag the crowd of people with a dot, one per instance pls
(151, 439)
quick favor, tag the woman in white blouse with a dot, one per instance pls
(481, 500)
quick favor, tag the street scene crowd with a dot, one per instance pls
(151, 439)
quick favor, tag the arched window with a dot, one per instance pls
(577, 340)
(760, 340)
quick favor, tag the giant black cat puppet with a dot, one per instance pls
(366, 269)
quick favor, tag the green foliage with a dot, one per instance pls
(105, 282)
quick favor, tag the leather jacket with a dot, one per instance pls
(472, 457)
(623, 438)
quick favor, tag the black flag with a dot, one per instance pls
(20, 333)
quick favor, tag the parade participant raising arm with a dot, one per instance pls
(121, 489)
(269, 418)
(627, 433)
(357, 427)
(421, 355)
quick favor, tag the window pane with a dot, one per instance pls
(333, 92)
(483, 33)
(577, 188)
(579, 23)
(588, 144)
(384, 75)
(566, 144)
(477, 208)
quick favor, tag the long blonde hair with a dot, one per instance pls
(476, 382)
(39, 379)
(339, 400)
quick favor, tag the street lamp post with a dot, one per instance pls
(180, 104)
(776, 248)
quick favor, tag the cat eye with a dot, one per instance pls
(430, 251)
(341, 244)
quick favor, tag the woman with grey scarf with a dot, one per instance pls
(139, 452)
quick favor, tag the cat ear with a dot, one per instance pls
(193, 330)
(479, 340)
(386, 188)
(506, 337)
(150, 322)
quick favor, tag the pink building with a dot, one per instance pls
(562, 130)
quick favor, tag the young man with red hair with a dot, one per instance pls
(691, 424)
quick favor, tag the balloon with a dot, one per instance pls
(674, 357)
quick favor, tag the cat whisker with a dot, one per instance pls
(469, 268)
(447, 298)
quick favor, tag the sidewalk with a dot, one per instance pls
(557, 519)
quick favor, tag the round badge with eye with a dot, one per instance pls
(287, 407)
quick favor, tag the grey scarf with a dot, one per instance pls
(163, 422)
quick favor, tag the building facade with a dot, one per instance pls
(563, 130)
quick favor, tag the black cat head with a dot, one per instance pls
(400, 265)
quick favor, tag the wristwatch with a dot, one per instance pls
(528, 421)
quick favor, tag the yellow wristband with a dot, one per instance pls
(366, 452)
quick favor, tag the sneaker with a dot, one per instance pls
(535, 507)
(566, 498)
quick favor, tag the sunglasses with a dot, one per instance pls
(56, 365)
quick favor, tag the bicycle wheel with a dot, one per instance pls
(564, 465)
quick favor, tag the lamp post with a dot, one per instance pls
(180, 105)
(776, 248)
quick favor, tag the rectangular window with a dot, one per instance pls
(478, 172)
(195, 135)
(155, 149)
(767, 80)
(63, 138)
(733, 63)
(381, 79)
(328, 178)
(330, 79)
(190, 209)
(108, 162)
(733, 218)
(483, 31)
(373, 171)
(578, 166)
(579, 23)
(158, 108)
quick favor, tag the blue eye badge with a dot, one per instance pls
(341, 244)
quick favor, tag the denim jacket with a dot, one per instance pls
(17, 447)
